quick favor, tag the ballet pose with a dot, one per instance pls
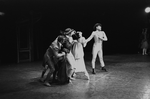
(99, 36)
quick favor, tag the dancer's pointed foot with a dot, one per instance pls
(70, 81)
(104, 69)
(47, 84)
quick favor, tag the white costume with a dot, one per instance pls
(68, 33)
(99, 37)
(78, 53)
(70, 56)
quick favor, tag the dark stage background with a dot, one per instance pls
(122, 20)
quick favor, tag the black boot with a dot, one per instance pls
(104, 69)
(93, 71)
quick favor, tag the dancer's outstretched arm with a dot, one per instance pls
(90, 37)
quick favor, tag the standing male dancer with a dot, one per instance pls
(99, 36)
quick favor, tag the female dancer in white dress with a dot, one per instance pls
(78, 53)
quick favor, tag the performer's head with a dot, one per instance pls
(79, 33)
(61, 39)
(69, 32)
(98, 26)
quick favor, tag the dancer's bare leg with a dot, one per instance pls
(51, 71)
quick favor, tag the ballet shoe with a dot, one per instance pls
(47, 84)
(70, 81)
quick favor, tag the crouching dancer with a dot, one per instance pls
(51, 57)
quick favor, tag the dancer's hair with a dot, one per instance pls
(97, 24)
(61, 38)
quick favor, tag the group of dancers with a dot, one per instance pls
(65, 56)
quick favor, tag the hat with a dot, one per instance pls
(68, 31)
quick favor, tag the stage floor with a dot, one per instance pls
(128, 77)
